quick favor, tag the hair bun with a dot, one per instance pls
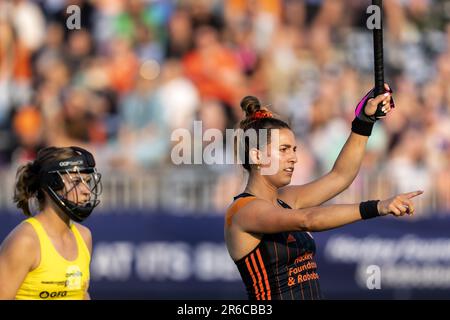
(250, 105)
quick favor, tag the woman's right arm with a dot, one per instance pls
(18, 254)
(260, 216)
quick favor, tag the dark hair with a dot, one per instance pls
(28, 178)
(257, 118)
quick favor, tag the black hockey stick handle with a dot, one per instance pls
(378, 56)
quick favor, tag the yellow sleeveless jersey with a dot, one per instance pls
(56, 277)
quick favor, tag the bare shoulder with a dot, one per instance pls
(238, 205)
(22, 235)
(85, 234)
(85, 231)
(246, 209)
(21, 241)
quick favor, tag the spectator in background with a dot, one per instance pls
(180, 35)
(53, 49)
(29, 22)
(15, 69)
(76, 123)
(213, 68)
(408, 160)
(79, 50)
(29, 131)
(143, 138)
(178, 95)
(122, 66)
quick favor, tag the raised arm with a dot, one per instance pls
(345, 168)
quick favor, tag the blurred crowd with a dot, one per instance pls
(136, 70)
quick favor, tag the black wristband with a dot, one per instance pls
(361, 127)
(369, 209)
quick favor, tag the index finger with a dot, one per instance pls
(413, 194)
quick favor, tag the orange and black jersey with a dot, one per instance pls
(282, 266)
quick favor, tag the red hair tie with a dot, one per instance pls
(260, 114)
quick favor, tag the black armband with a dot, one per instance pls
(369, 209)
(362, 127)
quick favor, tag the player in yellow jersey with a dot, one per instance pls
(47, 256)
